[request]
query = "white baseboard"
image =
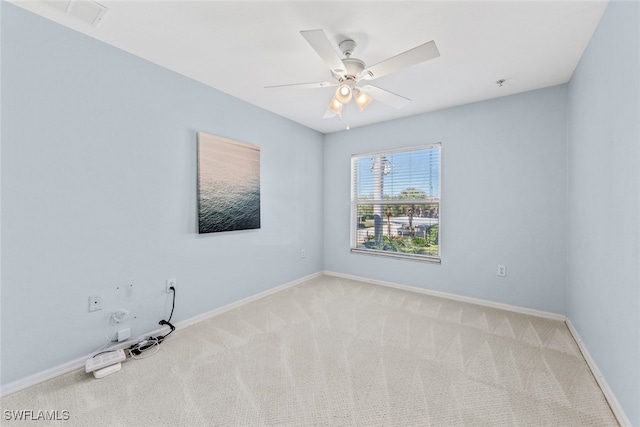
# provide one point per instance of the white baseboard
(79, 363)
(65, 368)
(606, 390)
(43, 376)
(486, 303)
(204, 316)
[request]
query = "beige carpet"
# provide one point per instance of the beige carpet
(336, 352)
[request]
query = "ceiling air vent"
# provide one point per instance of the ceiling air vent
(86, 11)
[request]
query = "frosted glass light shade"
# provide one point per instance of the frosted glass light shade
(343, 93)
(335, 106)
(362, 99)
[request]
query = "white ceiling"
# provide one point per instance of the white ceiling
(240, 47)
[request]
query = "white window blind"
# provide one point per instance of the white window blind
(396, 202)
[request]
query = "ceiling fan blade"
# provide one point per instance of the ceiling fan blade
(329, 114)
(385, 96)
(414, 56)
(323, 47)
(313, 85)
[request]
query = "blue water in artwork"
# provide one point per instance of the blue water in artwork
(228, 185)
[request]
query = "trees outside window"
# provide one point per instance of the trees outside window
(396, 203)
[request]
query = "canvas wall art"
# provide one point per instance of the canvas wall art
(228, 184)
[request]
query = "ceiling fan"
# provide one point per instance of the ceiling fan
(350, 72)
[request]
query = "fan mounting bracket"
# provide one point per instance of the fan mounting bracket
(347, 46)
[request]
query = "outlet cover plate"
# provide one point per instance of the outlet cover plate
(502, 270)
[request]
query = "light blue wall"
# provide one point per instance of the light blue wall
(503, 199)
(99, 191)
(603, 293)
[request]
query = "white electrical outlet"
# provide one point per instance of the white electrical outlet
(171, 283)
(303, 254)
(502, 270)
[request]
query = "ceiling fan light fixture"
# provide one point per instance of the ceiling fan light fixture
(348, 71)
(361, 99)
(344, 93)
(335, 106)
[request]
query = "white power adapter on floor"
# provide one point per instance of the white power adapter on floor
(105, 364)
(101, 373)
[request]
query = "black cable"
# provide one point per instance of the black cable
(168, 322)
(138, 348)
(103, 352)
(174, 303)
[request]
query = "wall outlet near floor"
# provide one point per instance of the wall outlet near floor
(303, 254)
(502, 270)
(171, 283)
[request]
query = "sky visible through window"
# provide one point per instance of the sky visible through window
(413, 169)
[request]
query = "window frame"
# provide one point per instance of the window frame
(354, 217)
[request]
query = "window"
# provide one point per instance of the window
(396, 203)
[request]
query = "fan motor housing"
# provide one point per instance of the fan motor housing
(354, 69)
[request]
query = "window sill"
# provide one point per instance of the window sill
(419, 258)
